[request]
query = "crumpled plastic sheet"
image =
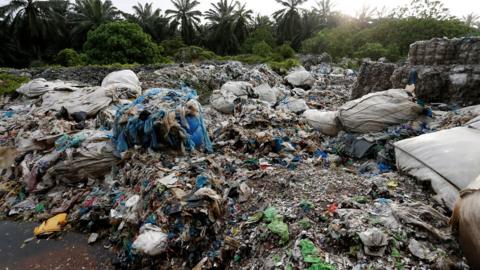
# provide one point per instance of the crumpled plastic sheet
(159, 118)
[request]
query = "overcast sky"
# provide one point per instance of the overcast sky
(267, 7)
(459, 8)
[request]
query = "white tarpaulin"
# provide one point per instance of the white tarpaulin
(90, 100)
(449, 159)
(38, 87)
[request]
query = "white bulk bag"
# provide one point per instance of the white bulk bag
(376, 111)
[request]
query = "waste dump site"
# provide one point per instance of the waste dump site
(323, 168)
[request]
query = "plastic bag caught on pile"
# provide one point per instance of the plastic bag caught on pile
(162, 118)
(377, 111)
(151, 241)
(124, 83)
(449, 159)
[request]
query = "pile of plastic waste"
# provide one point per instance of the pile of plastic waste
(273, 173)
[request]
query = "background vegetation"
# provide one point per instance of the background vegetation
(36, 33)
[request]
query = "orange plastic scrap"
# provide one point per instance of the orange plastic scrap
(53, 224)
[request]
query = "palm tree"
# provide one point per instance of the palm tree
(312, 22)
(146, 11)
(262, 21)
(222, 17)
(364, 16)
(325, 10)
(33, 23)
(9, 49)
(88, 15)
(471, 19)
(382, 13)
(188, 18)
(288, 20)
(243, 19)
(151, 21)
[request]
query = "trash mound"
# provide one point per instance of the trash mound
(209, 75)
(268, 191)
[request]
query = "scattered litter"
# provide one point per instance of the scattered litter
(151, 241)
(374, 242)
(93, 238)
(247, 181)
(52, 225)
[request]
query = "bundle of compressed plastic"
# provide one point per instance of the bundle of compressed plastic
(162, 118)
(442, 51)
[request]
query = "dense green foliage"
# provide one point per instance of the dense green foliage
(9, 83)
(33, 32)
(262, 49)
(371, 50)
(193, 53)
(68, 58)
(87, 15)
(121, 42)
(280, 59)
(263, 33)
(388, 37)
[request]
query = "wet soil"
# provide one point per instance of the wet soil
(67, 251)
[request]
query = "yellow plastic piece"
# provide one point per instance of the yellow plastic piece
(53, 224)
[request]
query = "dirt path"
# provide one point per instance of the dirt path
(69, 251)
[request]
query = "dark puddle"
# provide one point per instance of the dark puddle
(68, 251)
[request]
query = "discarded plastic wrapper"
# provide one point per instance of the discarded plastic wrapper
(128, 211)
(7, 156)
(374, 242)
(162, 118)
(151, 241)
(53, 224)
